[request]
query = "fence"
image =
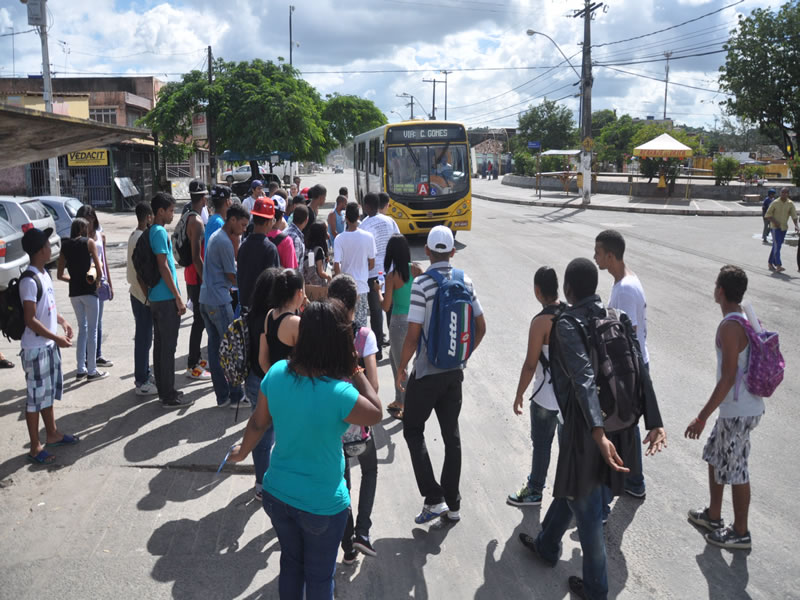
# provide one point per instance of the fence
(90, 185)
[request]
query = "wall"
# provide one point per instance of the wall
(71, 106)
(12, 181)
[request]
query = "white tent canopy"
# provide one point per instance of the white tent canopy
(561, 152)
(664, 146)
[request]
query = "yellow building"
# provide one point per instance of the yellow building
(70, 104)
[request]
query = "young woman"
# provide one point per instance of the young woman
(81, 260)
(105, 290)
(281, 325)
(310, 407)
(316, 242)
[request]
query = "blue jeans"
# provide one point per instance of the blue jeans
(100, 329)
(587, 511)
(142, 341)
(543, 428)
(86, 312)
(309, 545)
(778, 236)
(262, 450)
(217, 319)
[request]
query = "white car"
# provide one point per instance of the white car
(13, 259)
(241, 173)
(24, 213)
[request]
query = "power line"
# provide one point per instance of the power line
(638, 62)
(519, 112)
(525, 101)
(693, 87)
(18, 32)
(150, 52)
(427, 70)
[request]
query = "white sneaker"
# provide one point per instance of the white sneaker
(453, 515)
(198, 373)
(146, 389)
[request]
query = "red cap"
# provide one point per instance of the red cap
(264, 207)
(304, 193)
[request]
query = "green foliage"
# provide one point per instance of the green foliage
(602, 119)
(615, 140)
(750, 172)
(725, 168)
(524, 163)
(794, 165)
(649, 167)
(761, 72)
(554, 163)
(347, 116)
(549, 123)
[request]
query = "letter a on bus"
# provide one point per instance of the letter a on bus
(422, 189)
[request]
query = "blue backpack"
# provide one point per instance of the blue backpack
(450, 338)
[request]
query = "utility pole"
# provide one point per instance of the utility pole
(410, 103)
(212, 146)
(13, 54)
(666, 83)
(433, 108)
(291, 43)
(446, 73)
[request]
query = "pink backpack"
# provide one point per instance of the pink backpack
(765, 366)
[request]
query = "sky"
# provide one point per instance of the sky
(378, 49)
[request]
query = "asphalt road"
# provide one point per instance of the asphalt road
(136, 511)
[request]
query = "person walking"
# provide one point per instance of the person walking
(196, 367)
(778, 214)
(314, 266)
(282, 324)
(317, 196)
(355, 254)
(256, 253)
(336, 222)
(310, 406)
(768, 199)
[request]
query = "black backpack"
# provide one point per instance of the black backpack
(181, 244)
(144, 262)
(12, 317)
(555, 310)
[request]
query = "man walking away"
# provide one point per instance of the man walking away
(142, 317)
(768, 199)
(317, 196)
(299, 223)
(354, 254)
(432, 389)
(257, 253)
(778, 214)
(728, 447)
(193, 277)
(221, 199)
(336, 222)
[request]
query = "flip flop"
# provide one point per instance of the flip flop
(67, 440)
(6, 364)
(395, 410)
(43, 458)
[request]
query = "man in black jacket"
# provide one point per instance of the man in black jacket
(588, 459)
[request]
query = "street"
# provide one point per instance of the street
(136, 510)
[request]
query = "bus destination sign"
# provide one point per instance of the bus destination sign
(415, 134)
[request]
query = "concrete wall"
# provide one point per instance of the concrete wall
(12, 181)
(71, 106)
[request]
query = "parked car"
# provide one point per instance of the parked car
(63, 210)
(240, 173)
(24, 213)
(13, 259)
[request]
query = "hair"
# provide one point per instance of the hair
(317, 236)
(88, 212)
(612, 241)
(285, 286)
(300, 214)
(325, 345)
(344, 289)
(296, 180)
(372, 202)
(343, 191)
(398, 255)
(143, 211)
(237, 211)
(260, 297)
(352, 212)
(281, 193)
(341, 199)
(384, 198)
(439, 256)
(161, 200)
(317, 190)
(259, 220)
(298, 199)
(581, 277)
(733, 282)
(79, 228)
(547, 282)
(219, 200)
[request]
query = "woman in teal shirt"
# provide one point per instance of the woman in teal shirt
(310, 405)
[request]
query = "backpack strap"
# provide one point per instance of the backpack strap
(747, 329)
(278, 239)
(27, 273)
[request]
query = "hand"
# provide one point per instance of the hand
(694, 429)
(657, 438)
(63, 341)
(67, 330)
(110, 292)
(181, 306)
(236, 454)
(610, 455)
(518, 401)
(402, 377)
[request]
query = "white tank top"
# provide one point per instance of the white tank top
(546, 396)
(747, 405)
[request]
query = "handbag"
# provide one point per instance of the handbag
(104, 289)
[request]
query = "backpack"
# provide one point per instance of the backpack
(12, 317)
(234, 351)
(614, 353)
(144, 262)
(547, 310)
(181, 244)
(765, 365)
(356, 437)
(450, 338)
(278, 239)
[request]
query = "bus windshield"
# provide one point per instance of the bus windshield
(443, 168)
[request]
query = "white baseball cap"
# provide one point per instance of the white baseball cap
(440, 239)
(280, 203)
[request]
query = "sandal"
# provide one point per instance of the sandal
(6, 364)
(43, 458)
(396, 410)
(67, 440)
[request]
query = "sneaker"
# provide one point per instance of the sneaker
(452, 515)
(243, 403)
(259, 493)
(80, 376)
(177, 402)
(726, 537)
(104, 362)
(146, 389)
(97, 375)
(525, 497)
(530, 544)
(203, 364)
(349, 557)
(639, 495)
(224, 404)
(576, 587)
(363, 545)
(430, 512)
(700, 517)
(198, 373)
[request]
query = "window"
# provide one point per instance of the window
(132, 116)
(72, 206)
(52, 212)
(3, 213)
(362, 151)
(35, 210)
(442, 167)
(103, 115)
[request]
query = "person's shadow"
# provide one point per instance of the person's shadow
(724, 580)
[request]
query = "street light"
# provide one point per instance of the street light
(531, 33)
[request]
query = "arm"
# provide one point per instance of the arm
(107, 271)
(321, 270)
(62, 263)
(95, 257)
(371, 263)
(166, 275)
(337, 268)
(332, 224)
(480, 331)
(769, 216)
(391, 281)
(258, 423)
(409, 347)
(35, 325)
(196, 231)
(371, 370)
(367, 409)
(263, 349)
(536, 336)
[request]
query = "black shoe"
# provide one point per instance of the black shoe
(576, 587)
(363, 545)
(177, 401)
(104, 362)
(530, 544)
(80, 376)
(349, 557)
(97, 375)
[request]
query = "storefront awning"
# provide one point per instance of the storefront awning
(30, 135)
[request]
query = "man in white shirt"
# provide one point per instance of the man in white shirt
(256, 192)
(382, 228)
(354, 254)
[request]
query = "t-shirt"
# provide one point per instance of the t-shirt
(255, 254)
(782, 211)
(248, 203)
(382, 228)
(78, 259)
(46, 311)
(219, 260)
(306, 469)
(161, 244)
(352, 251)
(423, 291)
(628, 295)
(293, 231)
(286, 251)
(215, 222)
(134, 288)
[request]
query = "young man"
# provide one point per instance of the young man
(281, 223)
(778, 214)
(432, 389)
(336, 222)
(221, 200)
(274, 186)
(40, 345)
(282, 241)
(193, 277)
(295, 230)
(343, 191)
(197, 186)
(768, 199)
(166, 304)
(317, 196)
(142, 317)
(587, 457)
(219, 276)
(354, 254)
(728, 446)
(627, 294)
(292, 203)
(256, 192)
(256, 253)
(296, 181)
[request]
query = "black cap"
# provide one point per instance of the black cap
(197, 187)
(220, 191)
(36, 239)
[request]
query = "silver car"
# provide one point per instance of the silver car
(63, 209)
(24, 213)
(13, 259)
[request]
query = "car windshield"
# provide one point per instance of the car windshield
(72, 206)
(35, 210)
(433, 170)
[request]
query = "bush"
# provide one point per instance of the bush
(524, 163)
(794, 165)
(554, 163)
(751, 172)
(725, 168)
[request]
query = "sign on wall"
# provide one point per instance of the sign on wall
(96, 157)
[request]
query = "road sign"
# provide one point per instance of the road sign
(588, 143)
(534, 145)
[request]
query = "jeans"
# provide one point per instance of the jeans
(375, 314)
(99, 352)
(397, 336)
(142, 341)
(217, 319)
(441, 393)
(767, 229)
(262, 450)
(309, 545)
(777, 241)
(588, 516)
(368, 461)
(86, 309)
(166, 323)
(196, 333)
(543, 428)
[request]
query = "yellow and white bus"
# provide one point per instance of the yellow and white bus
(424, 167)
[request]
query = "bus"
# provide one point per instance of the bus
(424, 167)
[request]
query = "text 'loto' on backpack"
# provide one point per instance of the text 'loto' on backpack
(144, 262)
(12, 318)
(765, 365)
(181, 244)
(450, 338)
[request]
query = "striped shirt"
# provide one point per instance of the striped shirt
(423, 291)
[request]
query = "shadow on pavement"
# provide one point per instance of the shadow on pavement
(622, 515)
(724, 580)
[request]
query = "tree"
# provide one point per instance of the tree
(347, 116)
(549, 123)
(762, 72)
(601, 119)
(616, 140)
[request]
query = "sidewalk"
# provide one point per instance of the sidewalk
(495, 191)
